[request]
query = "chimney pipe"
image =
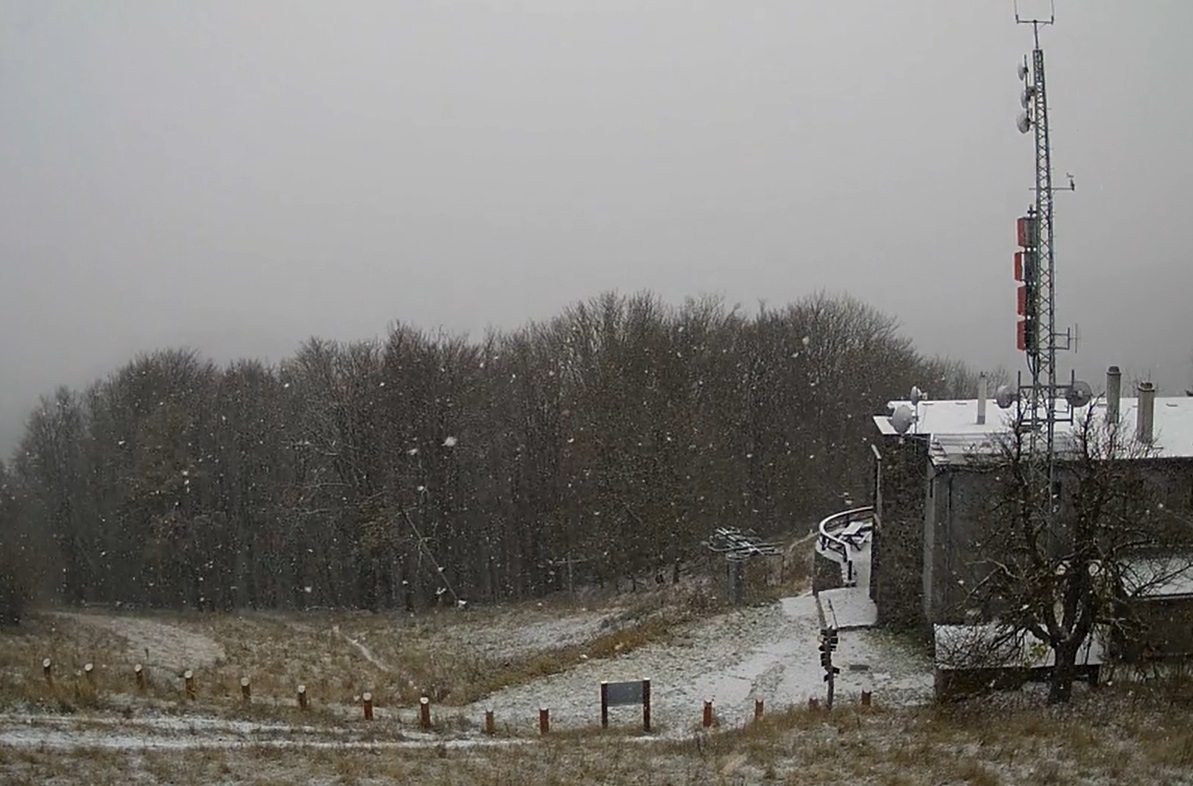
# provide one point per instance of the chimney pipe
(1146, 409)
(982, 392)
(1114, 390)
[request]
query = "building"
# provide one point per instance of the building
(930, 494)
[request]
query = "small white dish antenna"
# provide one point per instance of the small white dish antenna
(1023, 123)
(1079, 394)
(1004, 397)
(1022, 71)
(917, 395)
(903, 419)
(1026, 96)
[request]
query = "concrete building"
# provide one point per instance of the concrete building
(930, 497)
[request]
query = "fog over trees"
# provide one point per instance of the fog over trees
(601, 445)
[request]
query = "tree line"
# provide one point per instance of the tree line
(602, 445)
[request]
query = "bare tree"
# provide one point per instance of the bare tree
(1071, 564)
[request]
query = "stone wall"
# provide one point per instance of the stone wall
(896, 579)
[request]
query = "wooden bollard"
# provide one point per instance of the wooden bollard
(646, 706)
(865, 698)
(757, 709)
(139, 676)
(47, 669)
(490, 724)
(246, 690)
(424, 713)
(707, 714)
(302, 697)
(188, 678)
(367, 704)
(544, 720)
(813, 705)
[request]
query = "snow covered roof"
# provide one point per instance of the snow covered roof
(988, 645)
(1160, 577)
(954, 434)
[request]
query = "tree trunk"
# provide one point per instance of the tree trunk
(1060, 688)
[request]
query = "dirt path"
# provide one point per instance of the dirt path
(364, 651)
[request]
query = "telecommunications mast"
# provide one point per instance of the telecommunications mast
(1035, 267)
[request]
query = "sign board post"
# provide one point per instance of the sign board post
(623, 693)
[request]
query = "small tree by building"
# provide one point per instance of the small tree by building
(1070, 563)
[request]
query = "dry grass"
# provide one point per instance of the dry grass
(337, 656)
(1111, 739)
(1128, 734)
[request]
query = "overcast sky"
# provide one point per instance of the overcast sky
(237, 176)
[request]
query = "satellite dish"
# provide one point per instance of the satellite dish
(903, 418)
(1026, 96)
(1079, 394)
(917, 395)
(1023, 123)
(1022, 71)
(1004, 397)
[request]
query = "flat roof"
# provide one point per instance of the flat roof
(954, 433)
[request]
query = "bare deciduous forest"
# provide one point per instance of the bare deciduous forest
(601, 446)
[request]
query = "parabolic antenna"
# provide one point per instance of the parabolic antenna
(903, 418)
(1023, 123)
(1079, 394)
(1004, 396)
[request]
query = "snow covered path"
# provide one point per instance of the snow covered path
(851, 607)
(767, 653)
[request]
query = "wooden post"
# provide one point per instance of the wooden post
(865, 698)
(604, 704)
(424, 713)
(139, 675)
(757, 709)
(246, 690)
(302, 697)
(707, 713)
(367, 703)
(89, 673)
(646, 706)
(188, 677)
(47, 669)
(490, 724)
(544, 720)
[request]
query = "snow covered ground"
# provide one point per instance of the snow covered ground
(766, 652)
(733, 658)
(769, 653)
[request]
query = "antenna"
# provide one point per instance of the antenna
(1037, 21)
(1043, 402)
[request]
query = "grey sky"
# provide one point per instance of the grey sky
(237, 176)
